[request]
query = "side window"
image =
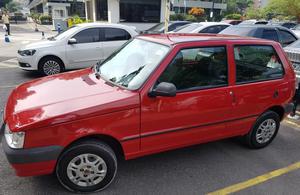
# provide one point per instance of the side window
(88, 36)
(286, 37)
(270, 34)
(197, 68)
(116, 34)
(256, 63)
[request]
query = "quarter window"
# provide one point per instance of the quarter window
(256, 63)
(286, 37)
(115, 34)
(197, 68)
(88, 36)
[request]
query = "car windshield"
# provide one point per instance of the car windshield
(131, 66)
(157, 27)
(237, 30)
(187, 28)
(65, 33)
(296, 44)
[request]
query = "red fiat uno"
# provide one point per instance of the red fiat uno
(156, 93)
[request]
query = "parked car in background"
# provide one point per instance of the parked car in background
(293, 52)
(296, 30)
(288, 25)
(160, 27)
(276, 33)
(232, 22)
(79, 47)
(157, 93)
(247, 22)
(202, 27)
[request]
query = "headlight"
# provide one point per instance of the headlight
(29, 52)
(14, 139)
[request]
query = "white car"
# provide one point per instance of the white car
(296, 30)
(202, 27)
(81, 46)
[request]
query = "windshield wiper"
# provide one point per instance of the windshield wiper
(97, 70)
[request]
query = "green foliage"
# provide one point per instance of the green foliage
(238, 6)
(175, 17)
(35, 16)
(13, 6)
(76, 20)
(234, 16)
(253, 13)
(187, 17)
(284, 8)
(45, 19)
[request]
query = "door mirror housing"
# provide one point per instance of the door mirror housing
(72, 41)
(163, 89)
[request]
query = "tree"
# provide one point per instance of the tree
(13, 6)
(238, 6)
(196, 11)
(285, 8)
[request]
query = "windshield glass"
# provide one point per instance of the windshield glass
(65, 33)
(131, 66)
(187, 28)
(157, 27)
(296, 44)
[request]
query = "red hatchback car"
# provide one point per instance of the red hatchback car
(156, 93)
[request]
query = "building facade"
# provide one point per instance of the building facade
(142, 13)
(58, 9)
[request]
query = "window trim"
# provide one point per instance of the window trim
(257, 80)
(200, 88)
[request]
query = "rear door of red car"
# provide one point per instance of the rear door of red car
(202, 105)
(258, 83)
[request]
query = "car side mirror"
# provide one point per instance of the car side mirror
(72, 41)
(163, 89)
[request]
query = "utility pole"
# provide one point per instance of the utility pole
(212, 11)
(167, 16)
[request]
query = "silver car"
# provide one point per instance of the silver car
(293, 52)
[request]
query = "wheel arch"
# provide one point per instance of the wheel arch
(51, 56)
(277, 109)
(107, 139)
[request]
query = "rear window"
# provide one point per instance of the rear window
(238, 30)
(257, 63)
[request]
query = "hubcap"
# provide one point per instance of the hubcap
(51, 67)
(87, 170)
(265, 131)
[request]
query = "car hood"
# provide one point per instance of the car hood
(41, 44)
(64, 97)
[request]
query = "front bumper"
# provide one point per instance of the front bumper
(33, 161)
(27, 62)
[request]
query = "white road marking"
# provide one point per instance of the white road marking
(11, 63)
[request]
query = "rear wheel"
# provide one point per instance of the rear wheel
(87, 167)
(264, 130)
(51, 66)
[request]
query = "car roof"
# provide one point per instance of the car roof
(101, 24)
(259, 26)
(176, 38)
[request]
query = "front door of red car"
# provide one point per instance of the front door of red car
(201, 106)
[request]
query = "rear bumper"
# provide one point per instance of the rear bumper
(33, 161)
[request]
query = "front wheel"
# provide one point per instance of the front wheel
(50, 66)
(264, 130)
(87, 167)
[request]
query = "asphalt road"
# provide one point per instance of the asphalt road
(194, 170)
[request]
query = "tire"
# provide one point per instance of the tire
(51, 65)
(258, 138)
(83, 175)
